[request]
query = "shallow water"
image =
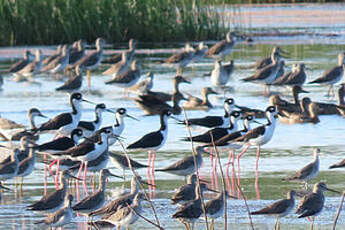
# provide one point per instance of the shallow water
(289, 150)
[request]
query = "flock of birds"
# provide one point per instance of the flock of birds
(82, 146)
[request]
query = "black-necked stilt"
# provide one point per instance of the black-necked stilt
(222, 48)
(308, 172)
(123, 217)
(27, 58)
(312, 204)
(154, 140)
(96, 200)
(195, 103)
(62, 216)
(90, 127)
(217, 133)
(53, 201)
(333, 75)
(214, 121)
(64, 123)
(74, 83)
(279, 208)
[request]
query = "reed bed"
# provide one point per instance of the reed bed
(61, 21)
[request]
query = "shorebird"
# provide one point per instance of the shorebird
(128, 78)
(191, 211)
(118, 68)
(122, 201)
(276, 51)
(214, 121)
(13, 131)
(220, 75)
(53, 201)
(26, 166)
(312, 204)
(144, 86)
(123, 217)
(180, 60)
(118, 127)
(178, 79)
(30, 69)
(215, 207)
(333, 75)
(121, 162)
(296, 77)
(27, 58)
(222, 48)
(280, 80)
(266, 75)
(61, 217)
(217, 133)
(329, 108)
(9, 169)
(130, 53)
(200, 52)
(195, 103)
(92, 60)
(24, 150)
(186, 166)
(279, 208)
(74, 83)
(308, 172)
(90, 127)
(309, 113)
(153, 141)
(50, 58)
(64, 123)
(96, 200)
(77, 53)
(59, 63)
(152, 105)
(284, 105)
(340, 164)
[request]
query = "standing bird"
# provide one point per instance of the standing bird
(117, 57)
(30, 69)
(333, 75)
(215, 207)
(121, 162)
(279, 208)
(119, 67)
(123, 217)
(308, 172)
(296, 78)
(64, 123)
(96, 200)
(27, 58)
(144, 86)
(92, 60)
(26, 166)
(222, 48)
(74, 83)
(180, 60)
(62, 216)
(200, 52)
(276, 51)
(312, 204)
(77, 53)
(220, 75)
(9, 169)
(50, 58)
(195, 103)
(60, 63)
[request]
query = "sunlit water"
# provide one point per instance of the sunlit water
(289, 150)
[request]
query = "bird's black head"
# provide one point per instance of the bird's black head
(100, 106)
(106, 130)
(235, 114)
(249, 117)
(271, 109)
(76, 96)
(166, 112)
(121, 111)
(229, 101)
(77, 132)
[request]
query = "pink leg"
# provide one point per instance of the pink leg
(215, 171)
(50, 170)
(84, 180)
(233, 171)
(153, 174)
(227, 174)
(45, 175)
(149, 172)
(77, 182)
(57, 174)
(257, 189)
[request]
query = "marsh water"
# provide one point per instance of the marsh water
(290, 148)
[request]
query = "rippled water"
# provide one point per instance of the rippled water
(289, 150)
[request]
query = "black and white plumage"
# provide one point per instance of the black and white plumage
(90, 127)
(214, 121)
(333, 75)
(64, 123)
(217, 133)
(154, 140)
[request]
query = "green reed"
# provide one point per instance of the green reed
(60, 21)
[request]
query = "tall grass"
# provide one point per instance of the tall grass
(61, 21)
